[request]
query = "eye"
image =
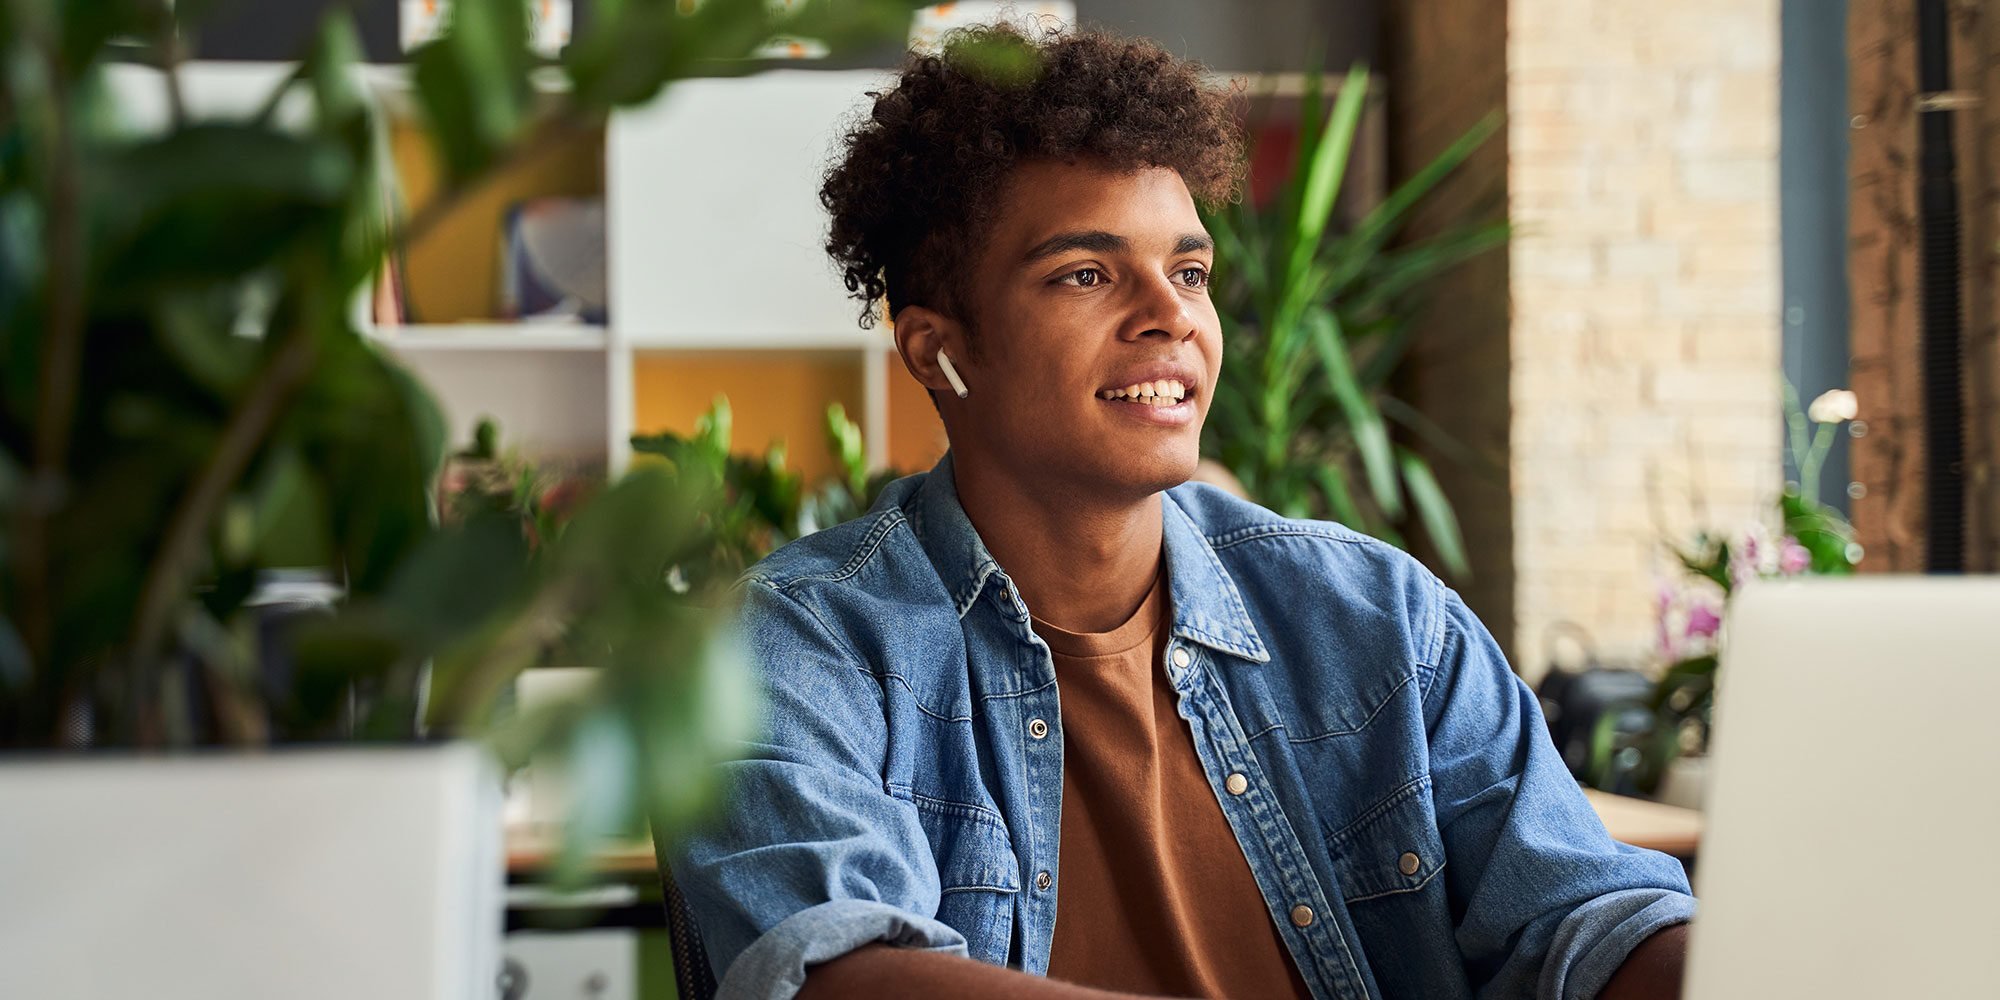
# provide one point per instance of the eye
(1083, 277)
(1193, 277)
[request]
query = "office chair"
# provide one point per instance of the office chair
(693, 979)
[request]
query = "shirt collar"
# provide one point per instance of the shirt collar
(1207, 607)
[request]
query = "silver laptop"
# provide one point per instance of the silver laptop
(1853, 829)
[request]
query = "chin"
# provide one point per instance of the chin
(1150, 474)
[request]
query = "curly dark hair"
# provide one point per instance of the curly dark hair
(915, 191)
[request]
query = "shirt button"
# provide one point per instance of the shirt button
(1302, 915)
(1181, 658)
(1237, 784)
(1044, 880)
(1409, 863)
(1038, 729)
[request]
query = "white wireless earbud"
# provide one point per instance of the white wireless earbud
(951, 375)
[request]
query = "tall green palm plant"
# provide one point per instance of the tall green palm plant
(1318, 322)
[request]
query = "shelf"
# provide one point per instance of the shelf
(495, 338)
(843, 342)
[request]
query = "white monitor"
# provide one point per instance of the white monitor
(321, 874)
(1853, 828)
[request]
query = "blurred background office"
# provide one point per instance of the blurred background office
(400, 373)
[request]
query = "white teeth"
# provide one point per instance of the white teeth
(1164, 392)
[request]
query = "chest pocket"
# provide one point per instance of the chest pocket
(979, 875)
(1390, 865)
(1394, 849)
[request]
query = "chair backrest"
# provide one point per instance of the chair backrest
(693, 979)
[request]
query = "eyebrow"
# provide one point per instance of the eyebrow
(1099, 241)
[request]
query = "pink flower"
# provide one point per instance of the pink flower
(1794, 558)
(1703, 622)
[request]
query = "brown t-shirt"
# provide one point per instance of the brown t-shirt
(1156, 896)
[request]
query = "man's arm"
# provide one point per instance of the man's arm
(1547, 903)
(869, 972)
(809, 857)
(1654, 969)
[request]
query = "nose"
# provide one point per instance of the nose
(1159, 311)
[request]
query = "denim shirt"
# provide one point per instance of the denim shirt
(1406, 818)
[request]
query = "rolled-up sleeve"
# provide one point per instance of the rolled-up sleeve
(1546, 903)
(810, 857)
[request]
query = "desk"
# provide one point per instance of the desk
(1644, 823)
(533, 852)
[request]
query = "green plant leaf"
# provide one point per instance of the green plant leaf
(211, 202)
(1371, 435)
(1711, 563)
(473, 86)
(1603, 749)
(336, 50)
(1395, 273)
(1405, 415)
(1826, 535)
(1339, 500)
(1434, 510)
(87, 27)
(1357, 248)
(603, 770)
(1329, 163)
(849, 447)
(1231, 246)
(1005, 61)
(457, 580)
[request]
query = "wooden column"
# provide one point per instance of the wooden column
(1883, 242)
(1888, 460)
(1976, 74)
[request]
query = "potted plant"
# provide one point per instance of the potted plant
(187, 407)
(1318, 321)
(1665, 757)
(764, 504)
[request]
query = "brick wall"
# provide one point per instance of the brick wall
(1644, 145)
(1642, 353)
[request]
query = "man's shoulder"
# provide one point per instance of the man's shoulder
(1240, 530)
(873, 563)
(864, 594)
(1323, 584)
(828, 556)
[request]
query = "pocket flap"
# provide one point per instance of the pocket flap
(973, 851)
(1394, 847)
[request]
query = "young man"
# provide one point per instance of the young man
(1049, 722)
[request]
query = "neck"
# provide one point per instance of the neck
(1080, 565)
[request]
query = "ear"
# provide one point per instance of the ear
(920, 334)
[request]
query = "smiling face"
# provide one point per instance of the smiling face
(1094, 345)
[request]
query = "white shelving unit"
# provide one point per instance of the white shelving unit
(715, 229)
(504, 337)
(714, 246)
